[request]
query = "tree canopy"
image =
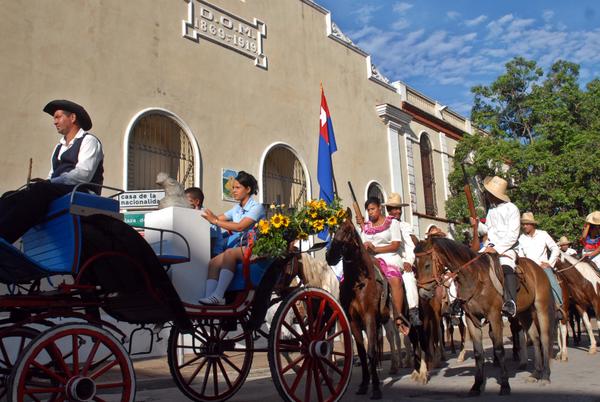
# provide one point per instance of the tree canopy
(542, 133)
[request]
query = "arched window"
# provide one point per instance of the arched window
(157, 143)
(428, 176)
(283, 178)
(375, 190)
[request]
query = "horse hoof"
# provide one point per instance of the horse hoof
(531, 379)
(543, 383)
(474, 392)
(504, 390)
(362, 390)
(376, 394)
(592, 350)
(423, 380)
(414, 375)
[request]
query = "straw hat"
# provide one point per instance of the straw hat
(527, 217)
(394, 200)
(563, 240)
(593, 218)
(497, 187)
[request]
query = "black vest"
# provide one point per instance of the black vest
(68, 160)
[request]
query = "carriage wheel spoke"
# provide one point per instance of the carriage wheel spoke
(193, 360)
(91, 356)
(299, 320)
(5, 358)
(206, 375)
(59, 358)
(292, 364)
(215, 378)
(332, 320)
(197, 370)
(110, 385)
(75, 354)
(333, 366)
(292, 330)
(299, 376)
(317, 382)
(30, 391)
(224, 372)
(320, 314)
(309, 315)
(325, 376)
(233, 366)
(49, 372)
(308, 384)
(332, 337)
(104, 369)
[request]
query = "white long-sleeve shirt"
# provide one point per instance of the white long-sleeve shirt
(503, 223)
(537, 246)
(90, 155)
(407, 247)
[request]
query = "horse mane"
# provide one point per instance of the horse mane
(446, 246)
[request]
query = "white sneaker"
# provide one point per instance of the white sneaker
(212, 300)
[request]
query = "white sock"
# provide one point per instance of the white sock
(211, 285)
(225, 278)
(410, 286)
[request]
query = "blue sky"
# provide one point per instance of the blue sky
(443, 48)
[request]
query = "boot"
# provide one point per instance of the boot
(413, 316)
(509, 308)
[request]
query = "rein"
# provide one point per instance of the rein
(570, 266)
(441, 278)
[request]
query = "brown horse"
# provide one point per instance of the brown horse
(583, 283)
(365, 300)
(482, 302)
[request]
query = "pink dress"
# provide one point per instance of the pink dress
(384, 235)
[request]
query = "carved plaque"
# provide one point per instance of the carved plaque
(216, 25)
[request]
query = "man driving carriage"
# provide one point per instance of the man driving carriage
(76, 159)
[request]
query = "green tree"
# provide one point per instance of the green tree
(546, 129)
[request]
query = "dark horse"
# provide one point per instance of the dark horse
(483, 301)
(364, 299)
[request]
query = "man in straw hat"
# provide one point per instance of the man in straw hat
(503, 226)
(78, 158)
(393, 207)
(564, 245)
(536, 244)
(590, 238)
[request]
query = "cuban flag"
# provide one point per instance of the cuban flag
(327, 147)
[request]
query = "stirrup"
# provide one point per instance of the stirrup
(402, 324)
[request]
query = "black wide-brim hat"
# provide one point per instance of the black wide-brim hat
(83, 118)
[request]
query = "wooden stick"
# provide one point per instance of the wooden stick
(29, 172)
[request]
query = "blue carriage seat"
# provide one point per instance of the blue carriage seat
(55, 243)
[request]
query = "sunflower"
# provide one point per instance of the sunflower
(285, 221)
(340, 214)
(321, 204)
(302, 235)
(318, 225)
(263, 226)
(312, 213)
(277, 221)
(332, 221)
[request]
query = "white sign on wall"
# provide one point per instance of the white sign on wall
(143, 199)
(223, 28)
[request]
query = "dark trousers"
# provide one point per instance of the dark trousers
(510, 283)
(20, 210)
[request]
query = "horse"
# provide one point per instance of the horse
(363, 297)
(583, 283)
(440, 257)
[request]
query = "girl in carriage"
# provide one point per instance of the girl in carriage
(240, 219)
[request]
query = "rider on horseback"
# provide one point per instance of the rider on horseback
(503, 226)
(590, 239)
(535, 245)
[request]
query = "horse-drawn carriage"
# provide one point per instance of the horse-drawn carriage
(57, 344)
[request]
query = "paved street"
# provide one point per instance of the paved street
(576, 380)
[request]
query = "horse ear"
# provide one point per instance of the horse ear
(348, 213)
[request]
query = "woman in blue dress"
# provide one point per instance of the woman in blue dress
(239, 219)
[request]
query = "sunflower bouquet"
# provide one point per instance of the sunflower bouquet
(274, 235)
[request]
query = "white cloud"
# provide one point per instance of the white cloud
(401, 7)
(401, 24)
(476, 21)
(547, 15)
(365, 13)
(453, 14)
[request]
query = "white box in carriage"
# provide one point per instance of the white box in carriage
(188, 278)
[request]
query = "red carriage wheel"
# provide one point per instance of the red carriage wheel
(77, 361)
(310, 347)
(12, 344)
(212, 363)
